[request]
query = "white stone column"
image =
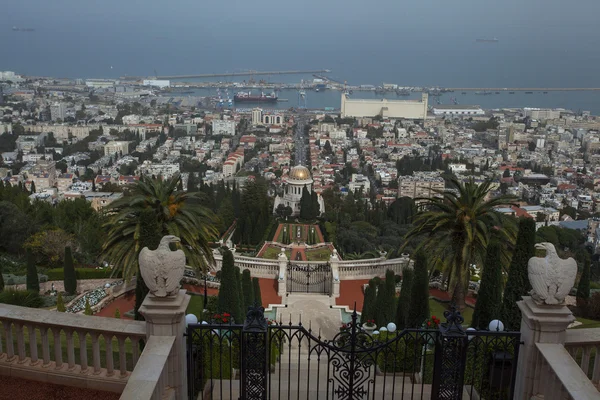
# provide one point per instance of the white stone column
(334, 262)
(165, 316)
(540, 323)
(282, 277)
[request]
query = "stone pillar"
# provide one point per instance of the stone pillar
(165, 316)
(334, 262)
(540, 323)
(282, 276)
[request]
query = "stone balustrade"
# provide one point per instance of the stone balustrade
(367, 269)
(584, 346)
(562, 378)
(150, 379)
(76, 350)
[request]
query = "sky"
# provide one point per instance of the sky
(429, 42)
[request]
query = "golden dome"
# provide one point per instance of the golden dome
(299, 173)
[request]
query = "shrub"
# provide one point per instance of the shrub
(70, 279)
(21, 298)
(88, 309)
(60, 303)
(593, 306)
(117, 313)
(10, 282)
(33, 281)
(57, 274)
(490, 292)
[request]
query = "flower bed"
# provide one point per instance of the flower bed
(94, 297)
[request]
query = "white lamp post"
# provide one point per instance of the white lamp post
(190, 319)
(496, 325)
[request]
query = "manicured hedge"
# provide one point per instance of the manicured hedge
(57, 274)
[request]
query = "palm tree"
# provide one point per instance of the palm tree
(178, 213)
(457, 226)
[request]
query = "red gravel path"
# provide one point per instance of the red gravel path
(351, 292)
(124, 303)
(277, 232)
(20, 389)
(268, 291)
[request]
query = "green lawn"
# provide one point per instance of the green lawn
(196, 306)
(321, 254)
(272, 253)
(587, 323)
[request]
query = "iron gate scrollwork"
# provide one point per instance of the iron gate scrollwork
(309, 277)
(274, 360)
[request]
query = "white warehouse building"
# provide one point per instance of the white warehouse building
(223, 127)
(360, 108)
(457, 110)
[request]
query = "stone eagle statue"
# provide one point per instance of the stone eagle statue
(162, 269)
(551, 277)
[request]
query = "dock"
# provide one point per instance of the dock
(523, 89)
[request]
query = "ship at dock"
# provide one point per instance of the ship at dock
(493, 40)
(248, 97)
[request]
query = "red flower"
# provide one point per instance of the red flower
(225, 320)
(226, 315)
(433, 317)
(428, 323)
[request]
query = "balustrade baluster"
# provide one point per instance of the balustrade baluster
(596, 371)
(57, 348)
(109, 354)
(122, 356)
(135, 350)
(70, 348)
(45, 346)
(95, 352)
(20, 341)
(33, 351)
(10, 346)
(585, 359)
(81, 335)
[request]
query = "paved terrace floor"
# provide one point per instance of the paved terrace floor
(22, 389)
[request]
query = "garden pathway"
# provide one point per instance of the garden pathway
(314, 311)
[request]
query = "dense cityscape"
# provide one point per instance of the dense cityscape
(377, 217)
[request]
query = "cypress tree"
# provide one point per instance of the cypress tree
(405, 298)
(117, 314)
(314, 205)
(517, 284)
(389, 309)
(33, 282)
(305, 204)
(489, 297)
(368, 310)
(247, 290)
(229, 299)
(583, 288)
(256, 291)
(70, 279)
(418, 311)
(88, 309)
(60, 303)
(381, 303)
(150, 235)
(1, 280)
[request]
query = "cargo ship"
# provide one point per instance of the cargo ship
(494, 40)
(248, 97)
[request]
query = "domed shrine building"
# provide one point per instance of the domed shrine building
(298, 177)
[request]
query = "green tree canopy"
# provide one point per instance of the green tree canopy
(70, 279)
(489, 296)
(517, 283)
(178, 213)
(458, 226)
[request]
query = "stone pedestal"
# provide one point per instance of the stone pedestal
(165, 316)
(539, 324)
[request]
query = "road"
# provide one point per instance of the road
(300, 143)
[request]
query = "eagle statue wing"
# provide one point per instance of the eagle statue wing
(536, 268)
(148, 268)
(569, 267)
(173, 278)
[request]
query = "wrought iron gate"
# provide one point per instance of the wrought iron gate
(307, 277)
(270, 360)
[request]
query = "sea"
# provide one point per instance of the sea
(541, 44)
